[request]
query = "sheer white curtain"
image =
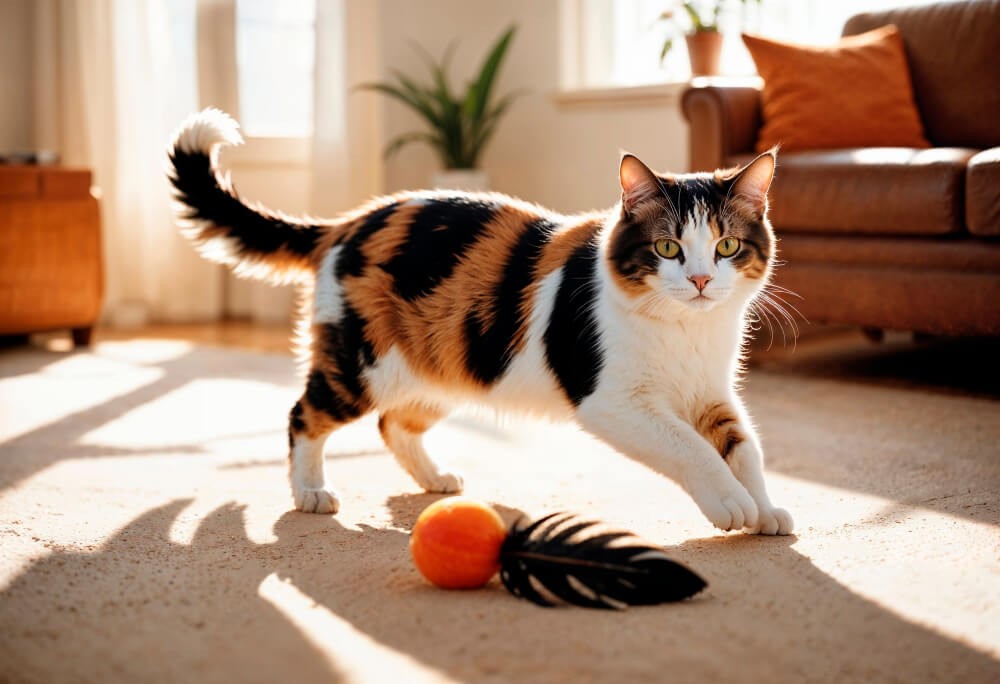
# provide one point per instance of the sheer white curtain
(110, 89)
(115, 77)
(344, 150)
(347, 165)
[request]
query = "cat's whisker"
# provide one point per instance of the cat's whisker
(754, 319)
(789, 305)
(771, 287)
(670, 211)
(781, 326)
(783, 303)
(762, 316)
(779, 315)
(653, 303)
(777, 308)
(769, 317)
(780, 293)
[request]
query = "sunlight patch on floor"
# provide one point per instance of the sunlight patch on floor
(31, 402)
(197, 412)
(153, 351)
(928, 567)
(871, 545)
(358, 656)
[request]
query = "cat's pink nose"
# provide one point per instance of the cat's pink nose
(700, 281)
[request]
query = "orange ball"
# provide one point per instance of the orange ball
(456, 543)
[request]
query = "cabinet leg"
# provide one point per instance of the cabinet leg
(81, 336)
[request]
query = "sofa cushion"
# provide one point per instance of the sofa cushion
(926, 284)
(856, 93)
(952, 53)
(982, 193)
(918, 253)
(873, 190)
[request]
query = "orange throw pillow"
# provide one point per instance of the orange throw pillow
(856, 93)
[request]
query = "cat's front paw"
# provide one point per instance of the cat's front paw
(730, 509)
(316, 501)
(772, 521)
(444, 483)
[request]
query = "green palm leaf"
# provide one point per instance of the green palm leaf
(479, 93)
(413, 101)
(406, 138)
(460, 128)
(692, 12)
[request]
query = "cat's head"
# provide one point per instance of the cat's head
(696, 239)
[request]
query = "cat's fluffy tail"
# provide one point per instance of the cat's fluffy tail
(254, 241)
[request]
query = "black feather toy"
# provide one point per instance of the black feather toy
(565, 558)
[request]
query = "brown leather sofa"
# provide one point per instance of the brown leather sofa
(889, 238)
(50, 251)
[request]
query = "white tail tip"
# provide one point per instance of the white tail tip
(203, 131)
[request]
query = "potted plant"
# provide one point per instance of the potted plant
(461, 124)
(698, 22)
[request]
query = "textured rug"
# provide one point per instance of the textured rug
(146, 535)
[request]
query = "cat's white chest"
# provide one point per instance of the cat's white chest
(680, 363)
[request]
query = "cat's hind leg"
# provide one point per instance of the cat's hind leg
(321, 410)
(403, 430)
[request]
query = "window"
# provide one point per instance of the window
(275, 52)
(617, 42)
(181, 21)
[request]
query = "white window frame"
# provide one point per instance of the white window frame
(585, 40)
(218, 84)
(581, 45)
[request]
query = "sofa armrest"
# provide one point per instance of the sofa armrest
(723, 122)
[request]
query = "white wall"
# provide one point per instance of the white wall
(564, 156)
(561, 155)
(16, 72)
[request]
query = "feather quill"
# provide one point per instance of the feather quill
(565, 558)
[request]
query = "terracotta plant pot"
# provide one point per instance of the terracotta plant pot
(704, 49)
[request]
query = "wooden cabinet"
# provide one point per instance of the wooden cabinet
(51, 271)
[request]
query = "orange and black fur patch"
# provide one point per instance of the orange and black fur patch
(628, 320)
(449, 280)
(720, 426)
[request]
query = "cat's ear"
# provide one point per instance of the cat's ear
(638, 182)
(751, 183)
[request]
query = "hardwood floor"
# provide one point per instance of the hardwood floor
(274, 338)
(267, 337)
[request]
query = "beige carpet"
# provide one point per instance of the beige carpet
(146, 534)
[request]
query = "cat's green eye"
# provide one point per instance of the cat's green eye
(727, 247)
(668, 249)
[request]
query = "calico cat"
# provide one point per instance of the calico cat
(629, 321)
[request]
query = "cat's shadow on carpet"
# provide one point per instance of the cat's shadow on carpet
(763, 594)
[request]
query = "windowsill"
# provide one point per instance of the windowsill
(653, 93)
